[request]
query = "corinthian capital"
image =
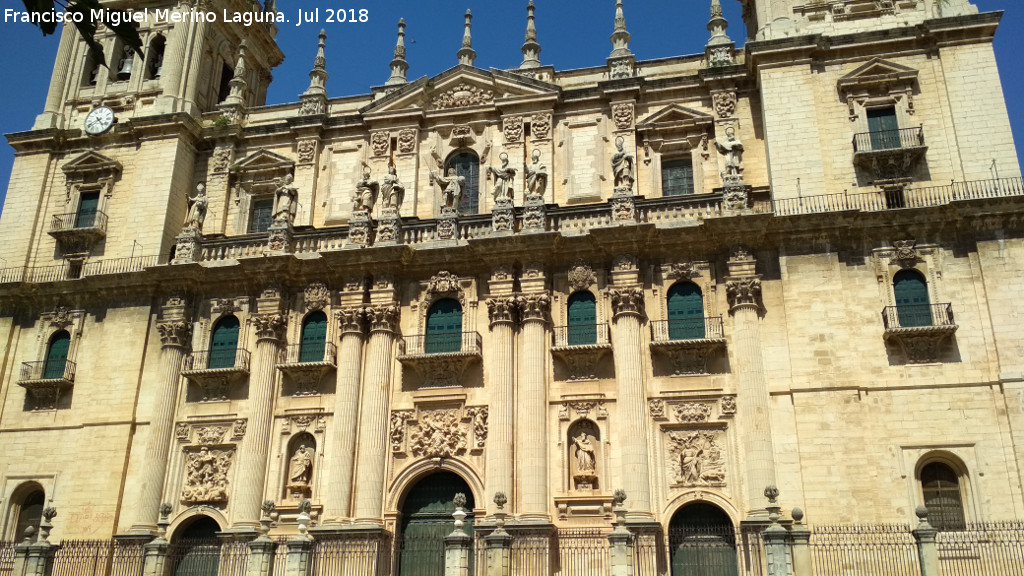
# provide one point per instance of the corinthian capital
(174, 333)
(535, 307)
(269, 326)
(351, 320)
(629, 300)
(502, 310)
(743, 292)
(383, 318)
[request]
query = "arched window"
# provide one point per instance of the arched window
(702, 541)
(27, 504)
(224, 343)
(582, 323)
(942, 496)
(911, 295)
(314, 337)
(155, 58)
(467, 165)
(444, 327)
(685, 312)
(56, 355)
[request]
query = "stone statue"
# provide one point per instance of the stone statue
(503, 178)
(623, 164)
(690, 465)
(286, 198)
(301, 467)
(392, 191)
(536, 177)
(365, 195)
(196, 210)
(584, 453)
(453, 186)
(732, 148)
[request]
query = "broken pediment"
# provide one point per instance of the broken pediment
(878, 72)
(675, 117)
(461, 87)
(91, 163)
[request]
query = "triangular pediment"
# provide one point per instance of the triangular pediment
(91, 162)
(462, 87)
(878, 70)
(262, 160)
(675, 116)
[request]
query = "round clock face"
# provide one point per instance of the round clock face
(99, 120)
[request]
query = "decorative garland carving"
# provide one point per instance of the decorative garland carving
(690, 412)
(656, 408)
(316, 296)
(406, 141)
(444, 283)
(696, 458)
(478, 415)
(540, 126)
(461, 96)
(622, 114)
(306, 150)
(728, 407)
(724, 104)
(905, 253)
(682, 271)
(380, 143)
(397, 433)
(210, 434)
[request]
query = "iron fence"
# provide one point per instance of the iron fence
(359, 556)
(648, 548)
(425, 552)
(881, 140)
(530, 554)
(687, 329)
(705, 550)
(280, 556)
(916, 315)
(582, 551)
(7, 556)
(47, 370)
(882, 550)
(79, 220)
(992, 549)
(208, 557)
(11, 275)
(98, 558)
(119, 265)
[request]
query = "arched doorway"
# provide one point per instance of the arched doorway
(427, 519)
(195, 548)
(702, 542)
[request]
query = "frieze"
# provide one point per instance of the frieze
(438, 434)
(582, 408)
(210, 434)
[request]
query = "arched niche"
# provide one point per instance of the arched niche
(583, 440)
(298, 480)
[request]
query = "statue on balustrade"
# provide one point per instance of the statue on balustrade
(392, 191)
(286, 198)
(503, 179)
(453, 185)
(365, 195)
(536, 177)
(623, 165)
(196, 210)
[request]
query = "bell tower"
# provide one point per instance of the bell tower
(189, 56)
(773, 19)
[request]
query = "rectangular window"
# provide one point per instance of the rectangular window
(677, 177)
(261, 215)
(884, 129)
(88, 204)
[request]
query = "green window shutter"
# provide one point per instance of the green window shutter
(314, 338)
(224, 343)
(88, 204)
(582, 319)
(685, 312)
(57, 355)
(444, 327)
(912, 304)
(677, 177)
(261, 215)
(884, 128)
(467, 165)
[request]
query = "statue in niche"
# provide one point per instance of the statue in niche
(583, 444)
(286, 198)
(503, 179)
(196, 210)
(732, 148)
(365, 196)
(623, 165)
(453, 185)
(536, 177)
(300, 472)
(392, 191)
(584, 453)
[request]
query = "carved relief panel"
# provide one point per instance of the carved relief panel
(206, 458)
(438, 432)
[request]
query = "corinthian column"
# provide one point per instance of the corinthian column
(175, 333)
(532, 424)
(373, 414)
(342, 451)
(502, 368)
(631, 399)
(743, 288)
(251, 475)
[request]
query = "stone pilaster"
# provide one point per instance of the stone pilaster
(743, 288)
(175, 339)
(195, 36)
(250, 477)
(532, 423)
(346, 415)
(631, 398)
(503, 313)
(382, 320)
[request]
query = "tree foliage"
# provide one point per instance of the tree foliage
(123, 28)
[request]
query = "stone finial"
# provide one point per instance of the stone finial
(238, 84)
(49, 513)
(922, 515)
(771, 493)
(30, 535)
(459, 514)
(798, 515)
(466, 54)
(531, 48)
(318, 75)
(500, 499)
(399, 66)
(305, 507)
(620, 37)
(717, 25)
(619, 497)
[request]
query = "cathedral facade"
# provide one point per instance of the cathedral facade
(689, 279)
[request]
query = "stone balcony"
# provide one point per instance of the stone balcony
(304, 365)
(77, 233)
(441, 359)
(889, 155)
(688, 343)
(581, 348)
(44, 381)
(921, 330)
(213, 373)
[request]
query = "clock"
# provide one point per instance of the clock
(99, 120)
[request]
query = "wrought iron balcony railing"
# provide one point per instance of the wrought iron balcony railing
(917, 316)
(236, 360)
(581, 335)
(94, 220)
(61, 370)
(467, 343)
(885, 140)
(687, 329)
(309, 353)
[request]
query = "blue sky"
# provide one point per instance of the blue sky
(572, 33)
